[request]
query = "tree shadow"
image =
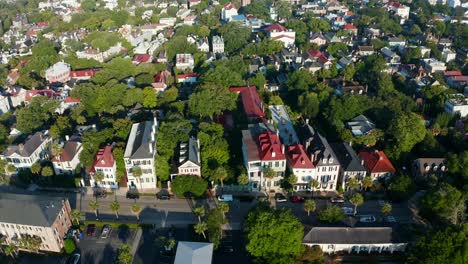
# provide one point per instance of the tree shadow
(123, 233)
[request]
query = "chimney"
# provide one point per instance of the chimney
(67, 137)
(307, 120)
(282, 148)
(21, 147)
(350, 143)
(312, 157)
(150, 148)
(362, 162)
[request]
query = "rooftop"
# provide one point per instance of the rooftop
(104, 159)
(250, 100)
(376, 161)
(348, 158)
(194, 253)
(286, 129)
(31, 210)
(141, 142)
(353, 235)
(29, 146)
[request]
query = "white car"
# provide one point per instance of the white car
(348, 211)
(225, 198)
(367, 219)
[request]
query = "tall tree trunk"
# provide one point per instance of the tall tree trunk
(95, 212)
(204, 236)
(116, 215)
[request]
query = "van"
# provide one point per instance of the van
(225, 198)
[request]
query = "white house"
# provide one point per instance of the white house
(34, 148)
(185, 61)
(352, 167)
(301, 166)
(217, 43)
(69, 160)
(139, 155)
(187, 78)
(189, 162)
(355, 239)
(228, 11)
(4, 104)
(104, 163)
(399, 10)
(448, 55)
(432, 65)
(203, 45)
(280, 33)
(457, 105)
(59, 72)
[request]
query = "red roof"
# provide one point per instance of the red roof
(376, 161)
(104, 159)
(84, 73)
(71, 100)
(229, 6)
(395, 4)
(140, 58)
(452, 73)
(187, 75)
(459, 78)
(283, 36)
(161, 77)
(269, 146)
(42, 24)
(318, 54)
(250, 100)
(47, 92)
(349, 27)
(298, 158)
(276, 27)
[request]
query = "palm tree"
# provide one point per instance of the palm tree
(137, 172)
(10, 168)
(35, 168)
(224, 208)
(356, 199)
(243, 179)
(199, 211)
(136, 210)
(220, 175)
(76, 215)
(367, 182)
(57, 151)
(314, 184)
(352, 184)
(11, 250)
(269, 173)
(99, 177)
(94, 205)
(386, 209)
(309, 206)
(47, 171)
(200, 228)
(115, 206)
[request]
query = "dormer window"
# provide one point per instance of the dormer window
(330, 161)
(273, 154)
(325, 160)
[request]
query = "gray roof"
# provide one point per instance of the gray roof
(139, 140)
(352, 235)
(194, 253)
(360, 125)
(190, 152)
(348, 158)
(286, 129)
(31, 210)
(318, 146)
(29, 146)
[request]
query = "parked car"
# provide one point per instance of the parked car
(73, 259)
(132, 192)
(106, 230)
(226, 249)
(296, 199)
(348, 211)
(225, 198)
(367, 219)
(91, 230)
(337, 199)
(280, 198)
(100, 193)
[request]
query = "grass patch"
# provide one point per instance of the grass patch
(113, 224)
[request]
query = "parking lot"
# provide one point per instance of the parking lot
(96, 250)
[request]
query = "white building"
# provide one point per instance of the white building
(457, 105)
(45, 218)
(105, 164)
(69, 160)
(399, 10)
(189, 158)
(228, 11)
(432, 65)
(203, 45)
(355, 239)
(185, 61)
(448, 55)
(217, 43)
(352, 167)
(4, 104)
(35, 148)
(301, 166)
(279, 33)
(454, 3)
(139, 155)
(59, 72)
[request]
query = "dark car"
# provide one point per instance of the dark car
(73, 259)
(106, 230)
(226, 249)
(296, 199)
(91, 230)
(100, 193)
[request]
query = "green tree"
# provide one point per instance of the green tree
(243, 179)
(386, 209)
(220, 99)
(94, 205)
(367, 182)
(150, 98)
(115, 207)
(235, 37)
(309, 104)
(356, 199)
(125, 254)
(224, 208)
(352, 184)
(98, 177)
(406, 131)
(185, 185)
(318, 25)
(200, 228)
(76, 216)
(332, 214)
(300, 80)
(47, 171)
(199, 211)
(220, 175)
(137, 172)
(69, 245)
(348, 72)
(444, 203)
(35, 115)
(400, 187)
(136, 210)
(36, 168)
(214, 220)
(447, 246)
(439, 28)
(309, 206)
(270, 174)
(11, 250)
(314, 184)
(273, 232)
